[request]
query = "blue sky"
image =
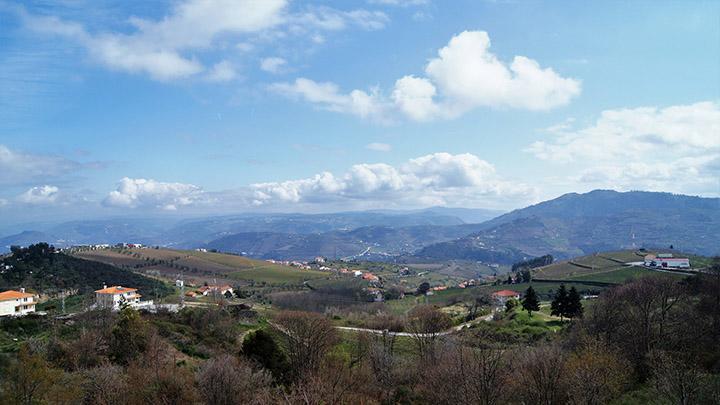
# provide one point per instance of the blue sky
(195, 107)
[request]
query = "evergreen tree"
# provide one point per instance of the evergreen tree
(574, 308)
(558, 307)
(530, 301)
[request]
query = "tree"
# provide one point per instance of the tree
(595, 374)
(510, 305)
(426, 324)
(423, 288)
(129, 337)
(558, 307)
(539, 375)
(28, 379)
(306, 337)
(224, 380)
(530, 301)
(574, 307)
(262, 348)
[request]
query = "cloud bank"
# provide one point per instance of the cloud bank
(675, 148)
(142, 193)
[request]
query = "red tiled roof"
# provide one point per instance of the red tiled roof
(115, 290)
(13, 295)
(506, 293)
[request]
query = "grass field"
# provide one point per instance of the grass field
(623, 274)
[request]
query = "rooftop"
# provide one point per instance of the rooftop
(115, 290)
(506, 293)
(13, 295)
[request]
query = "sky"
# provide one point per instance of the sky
(195, 107)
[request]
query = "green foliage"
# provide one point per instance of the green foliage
(510, 305)
(558, 307)
(129, 337)
(530, 301)
(261, 347)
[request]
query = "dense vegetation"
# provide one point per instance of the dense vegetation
(41, 268)
(652, 340)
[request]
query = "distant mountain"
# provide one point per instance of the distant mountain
(601, 220)
(373, 242)
(191, 233)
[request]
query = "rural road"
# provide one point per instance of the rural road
(457, 328)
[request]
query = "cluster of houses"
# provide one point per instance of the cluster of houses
(666, 260)
(210, 290)
(291, 263)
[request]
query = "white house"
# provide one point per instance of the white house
(16, 303)
(116, 296)
(503, 296)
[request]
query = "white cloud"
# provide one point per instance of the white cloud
(273, 65)
(378, 147)
(222, 72)
(674, 149)
(157, 47)
(329, 19)
(439, 178)
(3, 202)
(328, 96)
(134, 193)
(20, 168)
(465, 76)
(40, 195)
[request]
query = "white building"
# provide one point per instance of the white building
(666, 260)
(116, 296)
(16, 303)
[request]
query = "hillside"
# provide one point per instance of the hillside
(577, 224)
(382, 241)
(200, 267)
(39, 268)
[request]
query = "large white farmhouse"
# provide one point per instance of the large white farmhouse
(116, 296)
(16, 303)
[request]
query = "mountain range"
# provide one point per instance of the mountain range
(570, 225)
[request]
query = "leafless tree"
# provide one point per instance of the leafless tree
(426, 324)
(540, 375)
(225, 380)
(105, 385)
(675, 379)
(306, 337)
(595, 373)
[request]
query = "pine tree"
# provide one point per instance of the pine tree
(530, 301)
(558, 307)
(574, 305)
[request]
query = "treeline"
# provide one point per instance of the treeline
(533, 263)
(653, 340)
(41, 268)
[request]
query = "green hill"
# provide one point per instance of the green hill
(40, 268)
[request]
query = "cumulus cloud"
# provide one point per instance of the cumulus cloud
(330, 19)
(273, 65)
(379, 147)
(676, 148)
(20, 168)
(464, 76)
(439, 178)
(329, 97)
(134, 193)
(40, 195)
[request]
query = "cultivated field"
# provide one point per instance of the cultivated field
(201, 267)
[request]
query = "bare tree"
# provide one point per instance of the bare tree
(106, 385)
(465, 375)
(225, 380)
(540, 375)
(595, 374)
(306, 337)
(426, 325)
(675, 379)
